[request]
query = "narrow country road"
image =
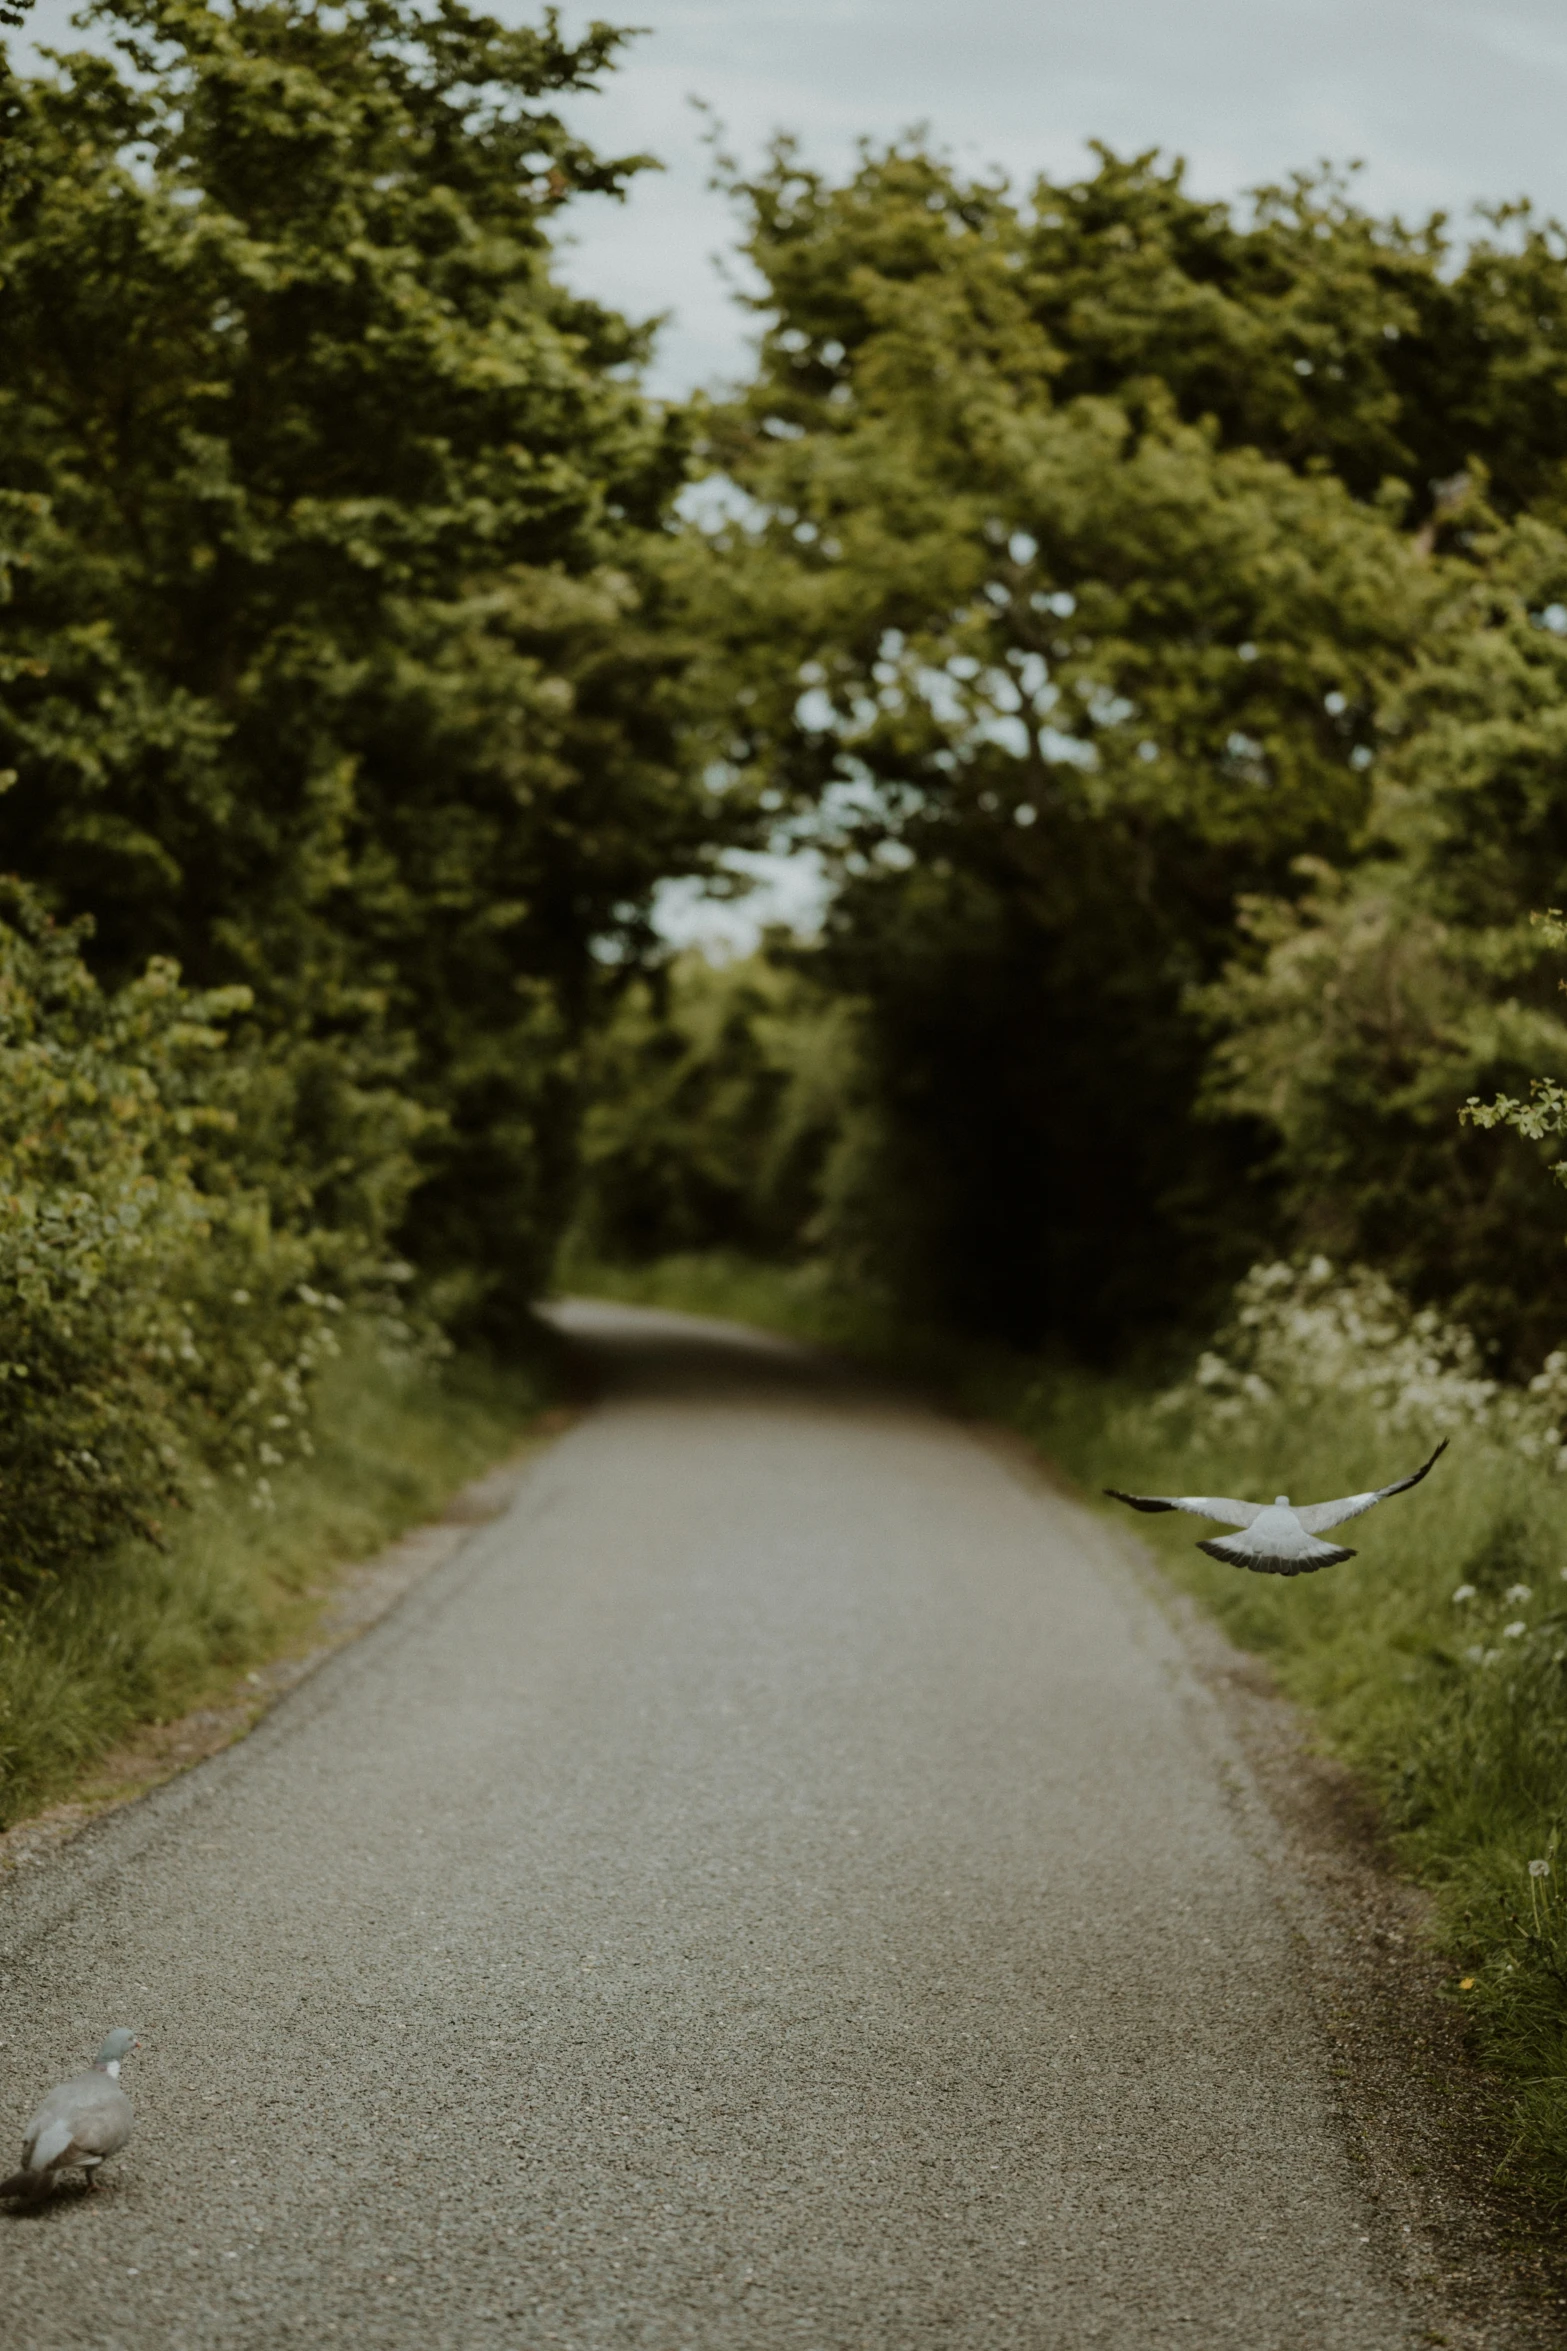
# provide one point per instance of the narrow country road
(778, 1889)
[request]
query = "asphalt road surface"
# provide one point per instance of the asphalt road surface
(777, 1889)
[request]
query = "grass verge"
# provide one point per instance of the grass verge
(1434, 1663)
(142, 1635)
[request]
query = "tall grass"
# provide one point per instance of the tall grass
(144, 1633)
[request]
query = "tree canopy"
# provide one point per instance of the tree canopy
(333, 540)
(1153, 612)
(1100, 555)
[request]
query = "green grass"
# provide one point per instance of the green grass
(1466, 1759)
(142, 1635)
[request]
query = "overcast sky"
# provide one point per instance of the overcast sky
(1445, 101)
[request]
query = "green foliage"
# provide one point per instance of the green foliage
(1392, 992)
(1071, 656)
(1102, 554)
(1542, 1115)
(339, 674)
(159, 1330)
(335, 674)
(719, 1097)
(1356, 1038)
(334, 568)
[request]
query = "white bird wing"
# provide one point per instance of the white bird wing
(1231, 1514)
(1317, 1517)
(48, 2137)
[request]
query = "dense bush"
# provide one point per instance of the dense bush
(159, 1328)
(720, 1100)
(1368, 1008)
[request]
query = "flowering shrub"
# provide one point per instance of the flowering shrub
(1304, 1334)
(156, 1330)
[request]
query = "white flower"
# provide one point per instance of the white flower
(1519, 1592)
(1467, 1591)
(1539, 1869)
(1475, 1654)
(1514, 1631)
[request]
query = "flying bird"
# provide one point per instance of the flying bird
(78, 2124)
(1277, 1539)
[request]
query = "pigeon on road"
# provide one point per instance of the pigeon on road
(78, 2124)
(1278, 1539)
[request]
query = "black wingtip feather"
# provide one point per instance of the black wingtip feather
(1414, 1479)
(1137, 1501)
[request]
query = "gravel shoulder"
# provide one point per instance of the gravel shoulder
(785, 1882)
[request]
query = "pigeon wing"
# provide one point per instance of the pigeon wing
(1231, 1514)
(1317, 1517)
(90, 2116)
(102, 2125)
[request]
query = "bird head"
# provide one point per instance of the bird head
(119, 2044)
(1281, 1501)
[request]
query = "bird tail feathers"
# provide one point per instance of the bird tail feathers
(1235, 1553)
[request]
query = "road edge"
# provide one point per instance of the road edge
(1424, 2122)
(354, 1597)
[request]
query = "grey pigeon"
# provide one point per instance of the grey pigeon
(1278, 1539)
(78, 2124)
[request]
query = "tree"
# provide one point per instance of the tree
(336, 658)
(157, 1327)
(1400, 987)
(720, 1094)
(1059, 603)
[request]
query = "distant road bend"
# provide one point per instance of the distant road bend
(775, 1890)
